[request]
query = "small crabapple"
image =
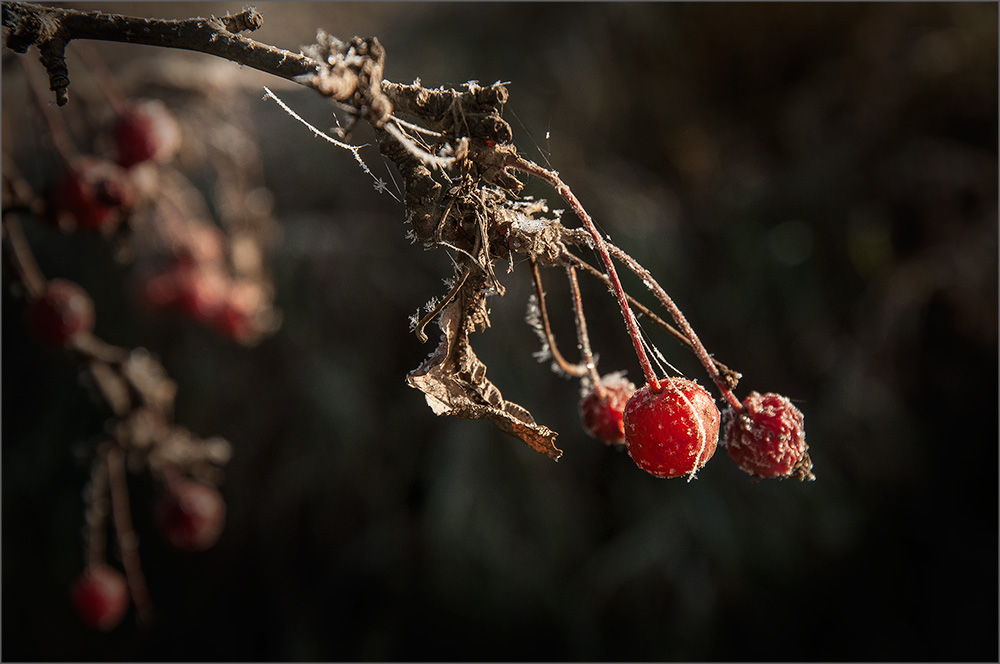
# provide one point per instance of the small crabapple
(92, 194)
(146, 131)
(236, 318)
(767, 437)
(63, 311)
(100, 597)
(191, 515)
(673, 431)
(201, 291)
(601, 409)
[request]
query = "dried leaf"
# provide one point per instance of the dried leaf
(454, 381)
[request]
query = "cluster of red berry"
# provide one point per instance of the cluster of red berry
(97, 194)
(189, 517)
(675, 431)
(194, 281)
(100, 195)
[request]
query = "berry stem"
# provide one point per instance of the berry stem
(128, 541)
(567, 195)
(582, 337)
(575, 370)
(97, 515)
(696, 346)
(731, 376)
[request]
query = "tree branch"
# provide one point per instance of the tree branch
(51, 28)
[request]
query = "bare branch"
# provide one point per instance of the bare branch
(51, 28)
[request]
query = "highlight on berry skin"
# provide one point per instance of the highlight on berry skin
(767, 438)
(674, 431)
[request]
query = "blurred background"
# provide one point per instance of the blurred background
(815, 185)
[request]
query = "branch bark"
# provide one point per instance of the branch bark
(51, 28)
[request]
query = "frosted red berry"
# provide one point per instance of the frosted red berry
(146, 131)
(191, 516)
(767, 437)
(673, 431)
(63, 311)
(601, 409)
(100, 597)
(92, 194)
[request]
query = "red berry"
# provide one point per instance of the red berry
(62, 312)
(767, 438)
(672, 432)
(146, 131)
(237, 317)
(601, 410)
(100, 596)
(191, 516)
(92, 194)
(201, 291)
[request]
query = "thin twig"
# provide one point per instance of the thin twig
(567, 195)
(97, 514)
(575, 370)
(699, 349)
(582, 337)
(731, 376)
(128, 541)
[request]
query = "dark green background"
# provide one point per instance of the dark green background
(815, 184)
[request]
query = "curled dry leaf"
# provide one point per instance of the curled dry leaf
(454, 381)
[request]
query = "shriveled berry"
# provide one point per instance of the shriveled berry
(674, 431)
(191, 516)
(601, 409)
(63, 311)
(100, 597)
(92, 194)
(767, 438)
(146, 131)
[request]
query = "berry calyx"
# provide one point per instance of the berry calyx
(601, 409)
(63, 311)
(191, 516)
(92, 194)
(100, 597)
(673, 431)
(767, 437)
(146, 131)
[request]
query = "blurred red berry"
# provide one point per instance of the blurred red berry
(191, 516)
(63, 311)
(672, 432)
(237, 318)
(146, 131)
(201, 291)
(202, 243)
(100, 597)
(767, 438)
(601, 410)
(92, 194)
